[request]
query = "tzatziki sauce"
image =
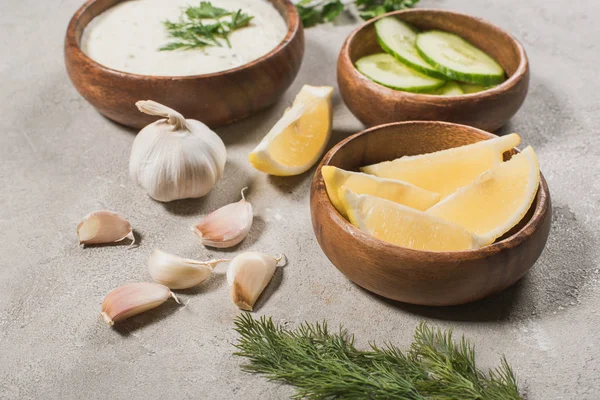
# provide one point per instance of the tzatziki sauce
(127, 38)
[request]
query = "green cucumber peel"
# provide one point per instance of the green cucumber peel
(398, 76)
(380, 29)
(473, 78)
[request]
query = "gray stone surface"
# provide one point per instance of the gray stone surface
(59, 160)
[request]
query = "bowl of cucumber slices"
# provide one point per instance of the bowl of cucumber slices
(432, 65)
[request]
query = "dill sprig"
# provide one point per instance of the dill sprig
(322, 365)
(203, 26)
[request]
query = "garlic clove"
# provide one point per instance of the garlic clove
(104, 227)
(226, 226)
(132, 299)
(179, 273)
(248, 275)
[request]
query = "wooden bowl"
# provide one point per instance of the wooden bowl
(215, 99)
(374, 104)
(414, 276)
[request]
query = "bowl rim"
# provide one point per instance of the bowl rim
(72, 45)
(517, 238)
(509, 83)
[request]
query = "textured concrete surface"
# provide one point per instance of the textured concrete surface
(59, 160)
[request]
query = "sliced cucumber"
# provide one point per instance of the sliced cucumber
(473, 88)
(451, 88)
(387, 71)
(458, 59)
(398, 38)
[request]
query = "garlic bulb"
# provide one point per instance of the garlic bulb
(179, 273)
(175, 158)
(135, 298)
(227, 226)
(248, 275)
(104, 227)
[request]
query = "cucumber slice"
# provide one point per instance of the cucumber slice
(451, 88)
(387, 71)
(473, 88)
(398, 39)
(458, 59)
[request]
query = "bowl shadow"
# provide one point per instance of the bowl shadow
(558, 117)
(558, 280)
(494, 308)
(120, 126)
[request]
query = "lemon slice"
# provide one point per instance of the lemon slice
(445, 171)
(497, 200)
(405, 226)
(298, 139)
(359, 183)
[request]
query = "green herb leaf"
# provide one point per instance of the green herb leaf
(206, 10)
(331, 10)
(309, 16)
(372, 8)
(173, 46)
(239, 20)
(204, 26)
(314, 12)
(321, 364)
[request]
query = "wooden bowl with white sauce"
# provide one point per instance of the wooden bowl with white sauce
(216, 98)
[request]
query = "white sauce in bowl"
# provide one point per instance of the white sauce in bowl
(127, 37)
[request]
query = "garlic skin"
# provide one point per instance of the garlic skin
(104, 226)
(175, 158)
(132, 299)
(179, 273)
(226, 226)
(248, 275)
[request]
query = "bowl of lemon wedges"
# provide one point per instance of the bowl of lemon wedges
(431, 213)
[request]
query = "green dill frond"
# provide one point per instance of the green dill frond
(203, 26)
(325, 365)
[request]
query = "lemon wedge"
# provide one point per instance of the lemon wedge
(405, 226)
(359, 183)
(298, 139)
(445, 171)
(497, 200)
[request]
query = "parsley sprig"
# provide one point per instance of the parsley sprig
(204, 25)
(314, 12)
(325, 365)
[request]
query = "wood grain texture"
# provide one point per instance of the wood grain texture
(413, 276)
(215, 99)
(374, 104)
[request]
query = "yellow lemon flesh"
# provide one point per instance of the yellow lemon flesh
(359, 183)
(445, 171)
(298, 139)
(497, 200)
(405, 226)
